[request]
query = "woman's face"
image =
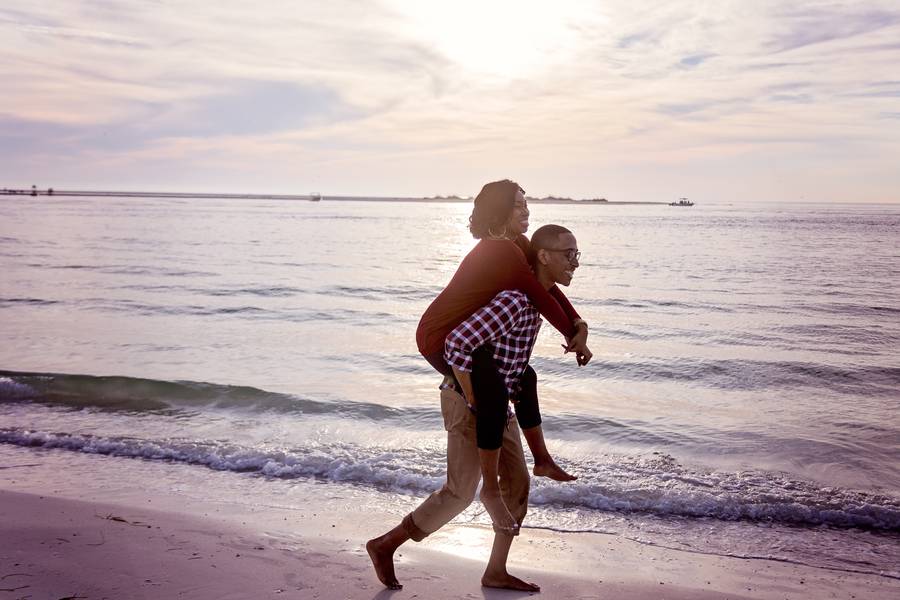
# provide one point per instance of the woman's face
(518, 219)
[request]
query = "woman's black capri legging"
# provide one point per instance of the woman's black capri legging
(492, 396)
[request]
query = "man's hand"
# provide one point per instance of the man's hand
(585, 357)
(465, 382)
(578, 344)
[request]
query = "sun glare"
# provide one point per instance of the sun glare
(501, 37)
(466, 541)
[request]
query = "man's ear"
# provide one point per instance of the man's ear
(542, 257)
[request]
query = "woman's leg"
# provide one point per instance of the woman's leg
(528, 414)
(491, 397)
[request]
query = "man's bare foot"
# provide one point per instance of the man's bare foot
(549, 468)
(508, 582)
(496, 508)
(383, 561)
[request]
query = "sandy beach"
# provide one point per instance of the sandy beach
(65, 543)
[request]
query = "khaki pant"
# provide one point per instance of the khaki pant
(464, 472)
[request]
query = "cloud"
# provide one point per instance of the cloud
(775, 65)
(256, 107)
(684, 108)
(284, 92)
(642, 37)
(875, 89)
(793, 98)
(788, 86)
(810, 26)
(694, 60)
(97, 37)
(34, 24)
(881, 94)
(19, 136)
(704, 109)
(246, 109)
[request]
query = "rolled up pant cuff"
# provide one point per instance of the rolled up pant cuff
(413, 530)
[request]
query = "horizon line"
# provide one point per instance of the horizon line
(313, 197)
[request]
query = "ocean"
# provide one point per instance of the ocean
(743, 398)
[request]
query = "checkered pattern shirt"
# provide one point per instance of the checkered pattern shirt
(510, 323)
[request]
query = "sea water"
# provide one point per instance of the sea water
(743, 398)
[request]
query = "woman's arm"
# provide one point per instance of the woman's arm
(514, 273)
(578, 342)
(564, 303)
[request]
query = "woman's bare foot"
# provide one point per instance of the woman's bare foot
(383, 561)
(507, 582)
(496, 508)
(549, 468)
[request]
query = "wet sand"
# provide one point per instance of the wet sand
(57, 547)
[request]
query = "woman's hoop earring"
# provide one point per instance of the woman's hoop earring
(503, 236)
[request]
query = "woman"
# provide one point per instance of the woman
(499, 262)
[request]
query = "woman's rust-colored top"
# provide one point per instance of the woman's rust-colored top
(490, 267)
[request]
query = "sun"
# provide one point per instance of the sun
(498, 37)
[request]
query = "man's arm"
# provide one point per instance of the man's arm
(487, 324)
(465, 382)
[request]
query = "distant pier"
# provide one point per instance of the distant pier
(113, 194)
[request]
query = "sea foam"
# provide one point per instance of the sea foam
(655, 485)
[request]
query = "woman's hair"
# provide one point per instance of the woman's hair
(493, 206)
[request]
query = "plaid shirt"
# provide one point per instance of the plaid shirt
(510, 323)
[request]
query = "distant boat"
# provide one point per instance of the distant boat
(682, 202)
(315, 197)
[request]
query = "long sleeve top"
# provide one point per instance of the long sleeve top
(490, 267)
(510, 324)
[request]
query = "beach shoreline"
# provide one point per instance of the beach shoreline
(62, 541)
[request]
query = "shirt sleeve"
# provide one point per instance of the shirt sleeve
(487, 324)
(564, 303)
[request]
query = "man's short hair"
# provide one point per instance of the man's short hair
(544, 238)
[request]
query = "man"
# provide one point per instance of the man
(502, 333)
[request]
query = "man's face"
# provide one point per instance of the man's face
(562, 259)
(518, 220)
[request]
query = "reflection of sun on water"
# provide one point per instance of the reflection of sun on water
(456, 242)
(497, 37)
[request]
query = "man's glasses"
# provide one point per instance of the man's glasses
(570, 254)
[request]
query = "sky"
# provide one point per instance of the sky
(627, 100)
